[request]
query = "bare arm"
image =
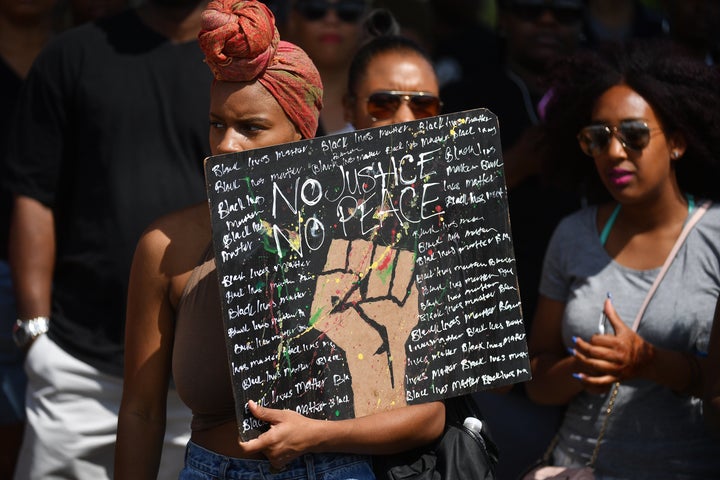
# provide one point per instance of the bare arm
(388, 432)
(552, 366)
(32, 256)
(149, 335)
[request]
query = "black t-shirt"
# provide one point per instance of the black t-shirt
(535, 208)
(112, 134)
(10, 84)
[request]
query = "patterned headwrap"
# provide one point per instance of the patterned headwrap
(241, 44)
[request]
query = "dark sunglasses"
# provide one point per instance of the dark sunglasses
(632, 134)
(312, 10)
(383, 104)
(566, 15)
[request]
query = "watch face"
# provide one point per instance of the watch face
(21, 334)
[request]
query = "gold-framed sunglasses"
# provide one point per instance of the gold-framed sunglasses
(632, 134)
(382, 104)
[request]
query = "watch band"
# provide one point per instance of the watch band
(25, 331)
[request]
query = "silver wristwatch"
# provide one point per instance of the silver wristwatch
(25, 331)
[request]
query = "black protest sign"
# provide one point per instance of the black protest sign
(369, 270)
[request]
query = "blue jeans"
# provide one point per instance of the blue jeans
(12, 376)
(202, 464)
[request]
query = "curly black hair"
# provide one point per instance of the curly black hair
(683, 92)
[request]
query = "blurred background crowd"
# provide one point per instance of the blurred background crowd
(496, 54)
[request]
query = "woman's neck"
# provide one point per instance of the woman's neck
(332, 115)
(643, 233)
(668, 210)
(20, 43)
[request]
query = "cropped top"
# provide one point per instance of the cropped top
(200, 362)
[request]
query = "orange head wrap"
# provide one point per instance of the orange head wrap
(241, 44)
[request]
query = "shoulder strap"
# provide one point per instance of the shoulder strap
(616, 387)
(668, 261)
(671, 256)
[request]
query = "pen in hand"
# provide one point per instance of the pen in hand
(604, 326)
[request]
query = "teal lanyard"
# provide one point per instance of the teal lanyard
(613, 216)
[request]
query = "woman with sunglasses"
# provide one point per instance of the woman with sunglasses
(266, 92)
(329, 31)
(391, 78)
(639, 130)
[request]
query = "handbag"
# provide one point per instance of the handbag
(549, 472)
(542, 470)
(461, 453)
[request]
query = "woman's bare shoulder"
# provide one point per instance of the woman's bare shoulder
(178, 237)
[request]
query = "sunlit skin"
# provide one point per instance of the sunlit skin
(394, 70)
(635, 176)
(242, 116)
(246, 116)
(653, 212)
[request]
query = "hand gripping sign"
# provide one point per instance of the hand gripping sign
(368, 270)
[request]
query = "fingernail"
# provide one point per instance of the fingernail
(571, 351)
(574, 339)
(609, 296)
(578, 376)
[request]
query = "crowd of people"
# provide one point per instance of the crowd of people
(609, 119)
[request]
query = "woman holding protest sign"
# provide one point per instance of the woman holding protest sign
(267, 92)
(631, 376)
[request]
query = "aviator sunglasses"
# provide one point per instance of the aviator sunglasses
(383, 104)
(632, 134)
(348, 11)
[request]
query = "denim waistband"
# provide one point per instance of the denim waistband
(309, 466)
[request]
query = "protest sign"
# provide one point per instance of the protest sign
(368, 270)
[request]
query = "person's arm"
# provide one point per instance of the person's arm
(32, 256)
(626, 355)
(711, 407)
(393, 431)
(551, 365)
(149, 333)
